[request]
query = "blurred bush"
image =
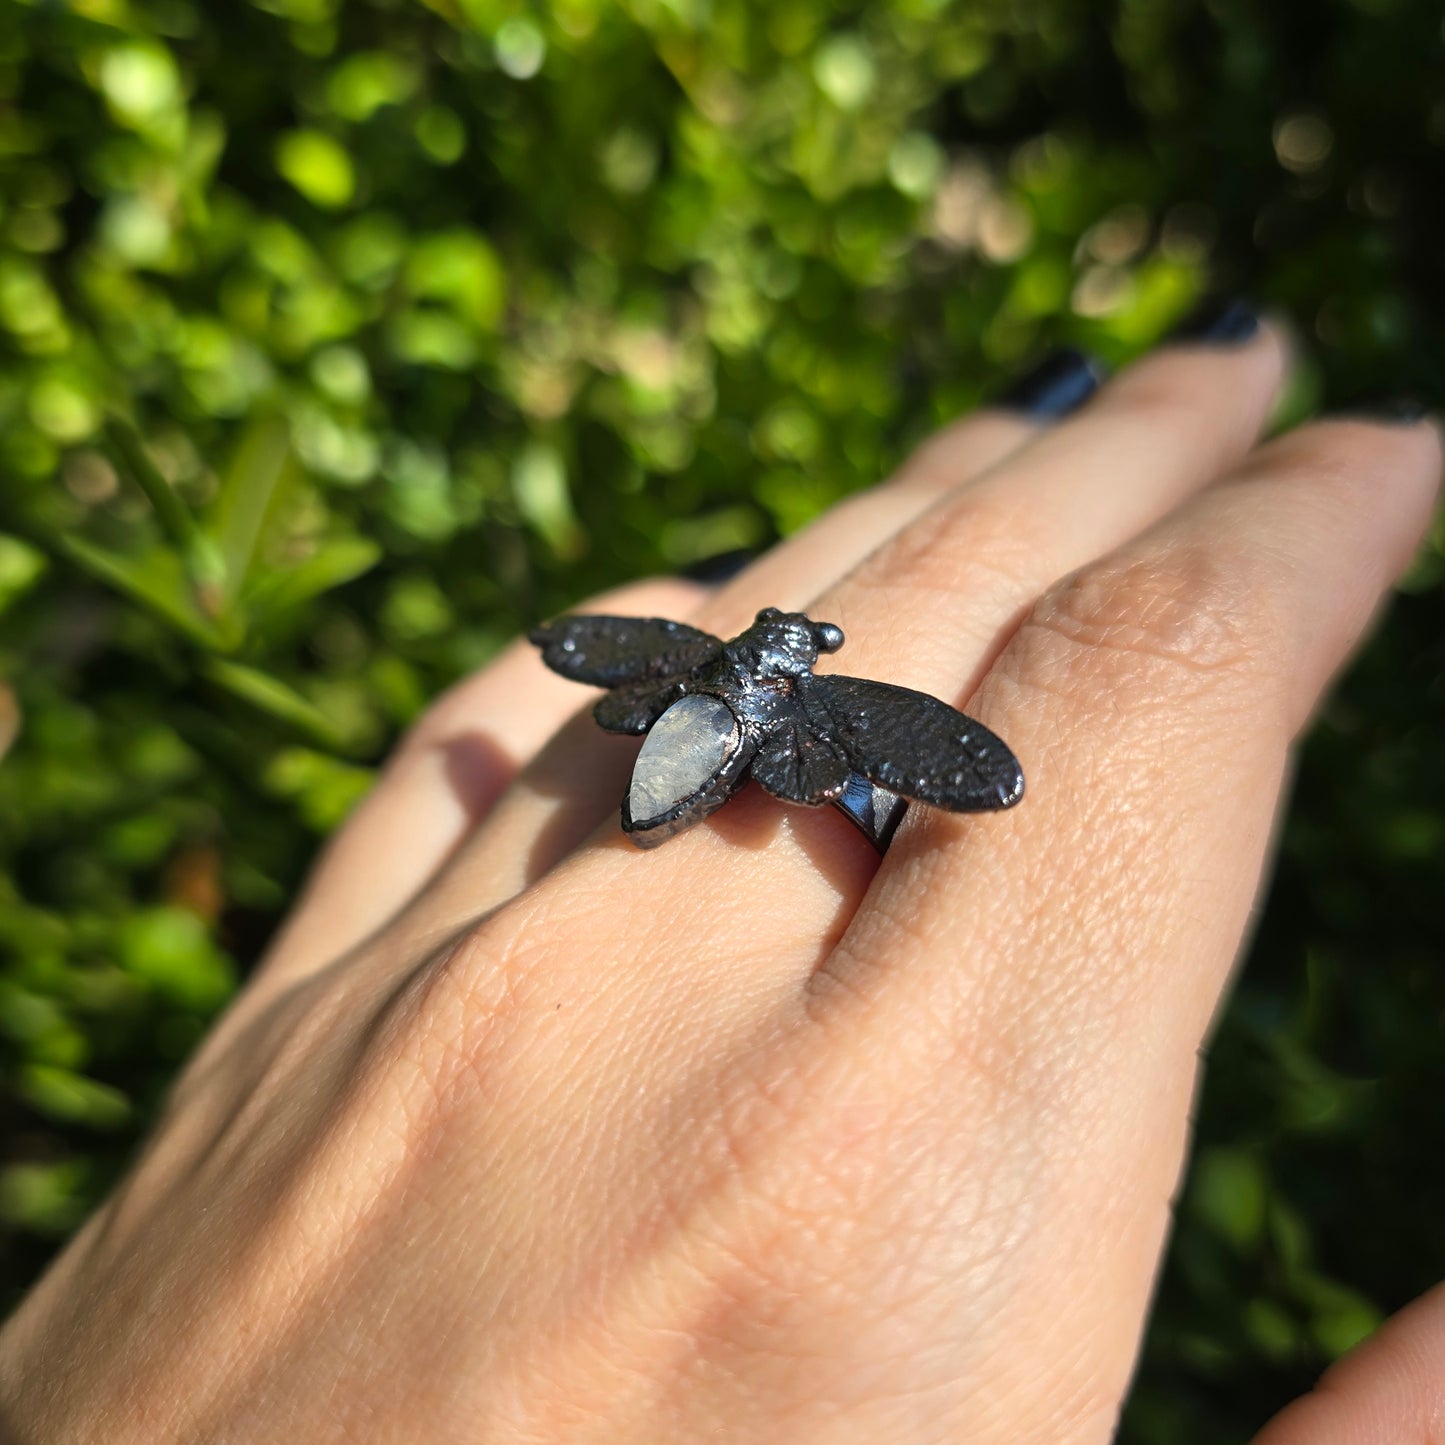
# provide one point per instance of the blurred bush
(339, 341)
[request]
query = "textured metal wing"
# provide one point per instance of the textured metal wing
(798, 764)
(617, 651)
(635, 709)
(916, 745)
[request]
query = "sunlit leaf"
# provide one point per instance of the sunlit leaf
(539, 484)
(171, 951)
(334, 563)
(252, 490)
(203, 562)
(72, 1097)
(275, 698)
(324, 789)
(318, 166)
(21, 567)
(49, 1198)
(154, 578)
(460, 268)
(1228, 1192)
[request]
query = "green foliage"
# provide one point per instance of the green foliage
(337, 342)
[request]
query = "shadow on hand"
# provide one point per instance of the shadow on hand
(583, 773)
(478, 772)
(587, 772)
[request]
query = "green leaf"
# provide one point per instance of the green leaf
(324, 789)
(459, 268)
(1340, 1316)
(132, 458)
(46, 1197)
(845, 71)
(155, 579)
(253, 487)
(1229, 1193)
(317, 166)
(203, 561)
(62, 1094)
(171, 950)
(141, 81)
(539, 485)
(21, 567)
(368, 80)
(1270, 1327)
(333, 564)
(276, 699)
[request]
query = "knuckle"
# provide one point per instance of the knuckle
(761, 1110)
(958, 451)
(978, 541)
(1182, 618)
(460, 1008)
(827, 1176)
(437, 1036)
(490, 1013)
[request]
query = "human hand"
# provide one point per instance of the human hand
(522, 1134)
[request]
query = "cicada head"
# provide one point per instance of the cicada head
(782, 644)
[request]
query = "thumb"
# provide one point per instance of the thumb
(1389, 1390)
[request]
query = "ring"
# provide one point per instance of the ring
(716, 713)
(873, 810)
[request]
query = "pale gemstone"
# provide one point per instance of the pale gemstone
(685, 750)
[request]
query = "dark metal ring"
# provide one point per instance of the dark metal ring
(717, 713)
(874, 811)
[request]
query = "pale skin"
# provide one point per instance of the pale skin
(521, 1134)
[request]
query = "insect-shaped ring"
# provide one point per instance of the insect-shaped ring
(716, 713)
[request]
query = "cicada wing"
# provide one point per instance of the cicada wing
(917, 746)
(634, 709)
(797, 764)
(619, 651)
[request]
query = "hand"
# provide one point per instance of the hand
(522, 1134)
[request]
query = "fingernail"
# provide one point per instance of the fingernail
(1391, 410)
(1061, 383)
(1226, 322)
(714, 571)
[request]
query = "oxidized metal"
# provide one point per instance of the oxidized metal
(862, 746)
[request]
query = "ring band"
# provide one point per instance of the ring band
(874, 811)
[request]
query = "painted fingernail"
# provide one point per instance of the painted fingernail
(1061, 383)
(1391, 410)
(1224, 322)
(714, 571)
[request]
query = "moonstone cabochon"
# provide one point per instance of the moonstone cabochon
(688, 746)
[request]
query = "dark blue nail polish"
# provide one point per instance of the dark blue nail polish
(1061, 383)
(1391, 410)
(714, 571)
(1227, 322)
